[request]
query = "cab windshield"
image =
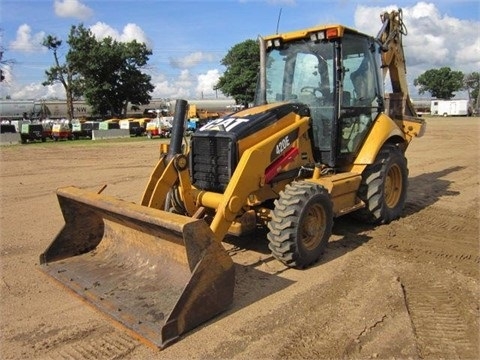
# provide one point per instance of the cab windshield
(307, 72)
(300, 71)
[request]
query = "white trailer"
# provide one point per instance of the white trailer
(450, 108)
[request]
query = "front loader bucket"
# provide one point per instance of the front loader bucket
(160, 274)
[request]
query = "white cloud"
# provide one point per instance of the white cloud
(102, 31)
(206, 82)
(185, 85)
(26, 42)
(174, 88)
(72, 8)
(133, 32)
(434, 40)
(37, 91)
(191, 60)
(129, 33)
(470, 54)
(425, 11)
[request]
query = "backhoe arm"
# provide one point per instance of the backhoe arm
(393, 59)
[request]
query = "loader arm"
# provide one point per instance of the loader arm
(250, 176)
(164, 178)
(171, 169)
(161, 180)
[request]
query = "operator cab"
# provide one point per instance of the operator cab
(336, 72)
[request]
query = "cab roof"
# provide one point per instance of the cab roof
(335, 31)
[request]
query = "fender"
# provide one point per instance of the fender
(383, 129)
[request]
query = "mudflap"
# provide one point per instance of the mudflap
(159, 274)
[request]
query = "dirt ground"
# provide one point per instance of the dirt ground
(407, 290)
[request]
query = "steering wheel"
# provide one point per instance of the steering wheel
(311, 90)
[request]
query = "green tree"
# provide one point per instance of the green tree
(62, 73)
(240, 77)
(111, 71)
(440, 83)
(472, 85)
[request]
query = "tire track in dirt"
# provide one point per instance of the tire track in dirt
(88, 340)
(102, 342)
(109, 345)
(327, 321)
(439, 327)
(448, 239)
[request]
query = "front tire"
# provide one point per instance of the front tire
(384, 187)
(301, 224)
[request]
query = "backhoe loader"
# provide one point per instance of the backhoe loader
(321, 141)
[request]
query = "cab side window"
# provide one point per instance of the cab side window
(361, 92)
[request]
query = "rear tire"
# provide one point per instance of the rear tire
(384, 187)
(301, 224)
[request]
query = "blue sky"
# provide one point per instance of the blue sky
(190, 37)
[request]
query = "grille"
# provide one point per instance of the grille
(212, 163)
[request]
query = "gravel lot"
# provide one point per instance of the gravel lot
(409, 289)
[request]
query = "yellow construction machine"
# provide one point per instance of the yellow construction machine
(321, 141)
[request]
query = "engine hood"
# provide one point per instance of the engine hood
(249, 121)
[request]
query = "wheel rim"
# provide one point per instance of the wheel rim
(393, 186)
(313, 227)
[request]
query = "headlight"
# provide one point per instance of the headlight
(276, 43)
(317, 36)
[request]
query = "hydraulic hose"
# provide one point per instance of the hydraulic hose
(177, 129)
